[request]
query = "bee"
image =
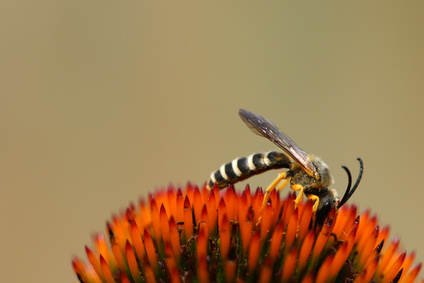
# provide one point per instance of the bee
(308, 174)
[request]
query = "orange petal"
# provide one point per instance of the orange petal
(164, 224)
(79, 270)
(119, 257)
(132, 263)
(170, 259)
(150, 249)
(322, 238)
(171, 209)
(137, 241)
(324, 270)
(230, 198)
(248, 194)
(215, 190)
(276, 239)
(374, 254)
(394, 269)
(265, 274)
(362, 225)
(212, 212)
(205, 194)
(179, 216)
(155, 220)
(222, 210)
(94, 262)
(103, 249)
(254, 251)
(149, 274)
(308, 278)
(243, 206)
(368, 229)
(345, 221)
(383, 235)
(106, 270)
(203, 270)
(266, 221)
(342, 255)
(288, 209)
(190, 192)
(230, 270)
(289, 265)
(369, 247)
(305, 219)
(145, 218)
(197, 204)
(174, 238)
(246, 226)
(291, 229)
(188, 219)
(225, 237)
(305, 250)
(369, 271)
(257, 204)
(202, 243)
(273, 197)
(410, 277)
(120, 231)
(124, 278)
(387, 256)
(408, 261)
(204, 218)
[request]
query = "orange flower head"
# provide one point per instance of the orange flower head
(196, 235)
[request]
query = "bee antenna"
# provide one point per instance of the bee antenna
(347, 194)
(361, 170)
(349, 191)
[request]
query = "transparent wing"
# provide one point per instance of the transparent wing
(265, 128)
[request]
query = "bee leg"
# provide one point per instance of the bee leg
(268, 191)
(274, 183)
(297, 188)
(315, 199)
(283, 184)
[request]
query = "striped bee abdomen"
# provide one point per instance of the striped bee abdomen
(245, 167)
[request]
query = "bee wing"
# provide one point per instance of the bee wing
(265, 128)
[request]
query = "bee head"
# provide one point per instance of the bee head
(329, 198)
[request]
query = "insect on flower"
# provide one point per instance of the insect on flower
(307, 173)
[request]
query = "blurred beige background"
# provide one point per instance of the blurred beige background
(102, 101)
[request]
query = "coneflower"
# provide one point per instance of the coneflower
(196, 235)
